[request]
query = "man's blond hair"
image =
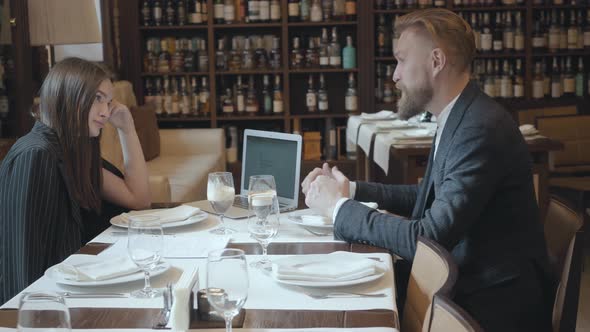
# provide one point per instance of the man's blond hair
(447, 30)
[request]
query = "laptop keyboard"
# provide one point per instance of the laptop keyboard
(242, 202)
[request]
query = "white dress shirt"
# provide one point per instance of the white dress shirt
(441, 120)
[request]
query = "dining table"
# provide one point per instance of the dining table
(271, 305)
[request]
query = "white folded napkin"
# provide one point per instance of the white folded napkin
(178, 213)
(101, 268)
(528, 129)
(337, 266)
(313, 220)
(392, 124)
(381, 115)
(181, 308)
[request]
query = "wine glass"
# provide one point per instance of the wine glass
(43, 311)
(220, 194)
(227, 282)
(145, 245)
(263, 224)
(262, 183)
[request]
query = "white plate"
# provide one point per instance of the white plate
(362, 280)
(53, 273)
(120, 222)
(315, 228)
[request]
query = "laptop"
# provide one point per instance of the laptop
(267, 153)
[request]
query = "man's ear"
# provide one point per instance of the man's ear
(439, 61)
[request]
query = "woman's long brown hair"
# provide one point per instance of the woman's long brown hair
(67, 95)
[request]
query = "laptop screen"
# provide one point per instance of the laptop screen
(272, 156)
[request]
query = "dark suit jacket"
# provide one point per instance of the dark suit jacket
(40, 224)
(477, 199)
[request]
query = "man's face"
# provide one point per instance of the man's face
(413, 73)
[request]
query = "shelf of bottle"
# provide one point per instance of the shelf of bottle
(249, 117)
(246, 25)
(584, 52)
(321, 24)
(182, 118)
(488, 8)
(564, 6)
(394, 11)
(385, 58)
(321, 115)
(523, 103)
(322, 70)
(492, 55)
(250, 72)
(182, 73)
(173, 27)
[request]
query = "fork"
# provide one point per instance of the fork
(342, 294)
(164, 315)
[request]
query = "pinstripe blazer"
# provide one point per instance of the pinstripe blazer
(40, 223)
(476, 199)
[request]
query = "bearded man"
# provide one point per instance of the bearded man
(477, 197)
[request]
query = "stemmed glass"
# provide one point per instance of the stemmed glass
(42, 311)
(145, 245)
(220, 194)
(227, 282)
(263, 224)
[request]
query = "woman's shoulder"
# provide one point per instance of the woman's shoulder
(32, 147)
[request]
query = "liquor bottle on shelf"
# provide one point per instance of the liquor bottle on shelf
(293, 9)
(167, 97)
(497, 78)
(330, 147)
(538, 82)
(266, 96)
(235, 56)
(556, 86)
(146, 13)
(204, 11)
(351, 98)
(323, 104)
(311, 97)
(569, 79)
(383, 38)
(185, 100)
(221, 55)
(194, 12)
(486, 36)
(350, 10)
(163, 57)
(275, 11)
(203, 56)
(312, 56)
(580, 31)
(380, 86)
(316, 13)
(296, 58)
(157, 96)
(227, 105)
(394, 34)
(260, 55)
(275, 54)
(506, 87)
(580, 78)
(554, 33)
(424, 3)
(148, 95)
(349, 54)
(518, 33)
(194, 96)
(251, 100)
(335, 51)
(264, 11)
(177, 60)
(219, 12)
(229, 11)
(277, 100)
(304, 10)
(519, 80)
(150, 59)
(388, 85)
(170, 13)
(473, 21)
(324, 51)
(157, 13)
(204, 96)
(339, 10)
(253, 11)
(327, 8)
(240, 98)
(175, 98)
(247, 56)
(189, 57)
(562, 31)
(539, 41)
(572, 32)
(489, 86)
(587, 31)
(508, 33)
(439, 3)
(180, 13)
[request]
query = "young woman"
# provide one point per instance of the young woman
(54, 172)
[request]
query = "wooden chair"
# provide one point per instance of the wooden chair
(433, 271)
(565, 249)
(448, 316)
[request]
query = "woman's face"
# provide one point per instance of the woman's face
(101, 108)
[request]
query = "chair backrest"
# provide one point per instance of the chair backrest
(448, 316)
(565, 246)
(574, 132)
(433, 271)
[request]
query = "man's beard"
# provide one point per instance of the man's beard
(414, 102)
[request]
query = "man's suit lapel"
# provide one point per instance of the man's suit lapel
(457, 112)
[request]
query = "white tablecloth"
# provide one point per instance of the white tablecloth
(365, 329)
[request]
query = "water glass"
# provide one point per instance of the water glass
(43, 311)
(263, 223)
(227, 283)
(145, 245)
(220, 194)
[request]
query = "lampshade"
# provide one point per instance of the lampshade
(62, 22)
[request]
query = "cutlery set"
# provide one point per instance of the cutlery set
(164, 315)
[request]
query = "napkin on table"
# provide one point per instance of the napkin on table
(381, 115)
(178, 213)
(337, 266)
(102, 268)
(181, 308)
(528, 129)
